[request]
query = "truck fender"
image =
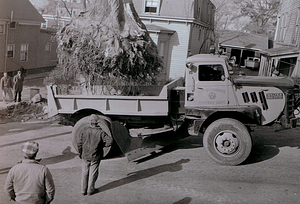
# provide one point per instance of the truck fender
(203, 117)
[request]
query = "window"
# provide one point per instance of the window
(213, 72)
(278, 29)
(151, 6)
(296, 28)
(44, 25)
(24, 52)
(48, 47)
(284, 26)
(162, 49)
(10, 51)
(1, 29)
(199, 13)
(200, 34)
(12, 25)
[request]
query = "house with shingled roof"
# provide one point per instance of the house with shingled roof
(241, 45)
(22, 41)
(179, 29)
(284, 57)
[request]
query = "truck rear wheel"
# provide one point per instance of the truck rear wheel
(227, 141)
(84, 122)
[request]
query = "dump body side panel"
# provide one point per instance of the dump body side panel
(113, 105)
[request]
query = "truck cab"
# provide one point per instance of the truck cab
(208, 82)
(223, 106)
(210, 85)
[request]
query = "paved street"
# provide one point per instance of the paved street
(181, 173)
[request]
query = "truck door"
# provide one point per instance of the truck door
(208, 86)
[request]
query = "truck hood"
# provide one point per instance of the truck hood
(264, 81)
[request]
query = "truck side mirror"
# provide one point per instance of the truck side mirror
(192, 67)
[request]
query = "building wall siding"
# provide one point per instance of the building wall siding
(287, 18)
(202, 10)
(36, 40)
(169, 8)
(2, 47)
(200, 41)
(178, 46)
(192, 21)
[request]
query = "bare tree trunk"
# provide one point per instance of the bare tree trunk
(110, 44)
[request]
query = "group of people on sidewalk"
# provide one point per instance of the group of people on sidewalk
(31, 182)
(7, 84)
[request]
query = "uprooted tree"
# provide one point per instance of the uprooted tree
(107, 45)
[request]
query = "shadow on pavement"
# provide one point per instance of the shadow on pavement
(18, 127)
(261, 153)
(262, 149)
(5, 170)
(66, 155)
(185, 200)
(190, 142)
(138, 175)
(37, 138)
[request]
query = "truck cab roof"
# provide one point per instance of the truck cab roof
(207, 58)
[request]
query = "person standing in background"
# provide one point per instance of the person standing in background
(18, 86)
(6, 85)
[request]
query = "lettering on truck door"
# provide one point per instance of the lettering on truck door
(210, 86)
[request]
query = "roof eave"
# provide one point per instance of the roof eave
(23, 22)
(241, 47)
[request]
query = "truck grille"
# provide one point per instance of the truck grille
(290, 104)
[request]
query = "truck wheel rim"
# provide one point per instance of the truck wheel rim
(226, 143)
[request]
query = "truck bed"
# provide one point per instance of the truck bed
(112, 105)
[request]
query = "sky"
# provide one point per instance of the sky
(38, 3)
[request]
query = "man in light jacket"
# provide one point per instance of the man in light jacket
(28, 181)
(6, 85)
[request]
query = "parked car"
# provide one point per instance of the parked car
(232, 61)
(252, 62)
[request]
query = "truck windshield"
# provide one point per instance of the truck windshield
(211, 72)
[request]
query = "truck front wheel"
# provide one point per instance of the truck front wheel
(227, 141)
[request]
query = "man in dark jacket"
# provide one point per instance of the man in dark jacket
(18, 85)
(90, 149)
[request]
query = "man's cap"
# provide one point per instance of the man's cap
(94, 119)
(30, 148)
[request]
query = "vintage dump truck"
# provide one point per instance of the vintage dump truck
(208, 100)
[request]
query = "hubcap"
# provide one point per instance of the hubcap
(226, 143)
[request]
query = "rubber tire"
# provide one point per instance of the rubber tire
(239, 130)
(84, 122)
